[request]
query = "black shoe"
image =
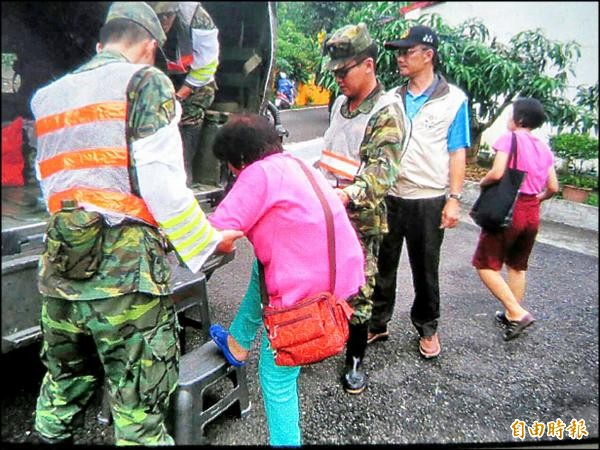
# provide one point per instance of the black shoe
(501, 318)
(355, 379)
(515, 328)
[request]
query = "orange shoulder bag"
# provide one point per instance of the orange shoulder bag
(316, 327)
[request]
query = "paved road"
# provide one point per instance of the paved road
(472, 393)
(305, 124)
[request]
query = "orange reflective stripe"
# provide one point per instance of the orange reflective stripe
(127, 204)
(335, 171)
(187, 60)
(341, 158)
(85, 159)
(181, 65)
(87, 114)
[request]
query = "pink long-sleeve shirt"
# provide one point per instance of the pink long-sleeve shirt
(274, 204)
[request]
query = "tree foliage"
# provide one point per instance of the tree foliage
(311, 18)
(491, 73)
(298, 49)
(297, 54)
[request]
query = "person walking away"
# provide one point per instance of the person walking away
(419, 209)
(106, 133)
(363, 145)
(276, 207)
(512, 246)
(192, 59)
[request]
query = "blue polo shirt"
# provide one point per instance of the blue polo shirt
(459, 133)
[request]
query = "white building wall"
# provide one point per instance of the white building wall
(561, 21)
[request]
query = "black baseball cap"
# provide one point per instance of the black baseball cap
(419, 34)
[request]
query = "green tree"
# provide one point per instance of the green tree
(297, 54)
(491, 73)
(298, 50)
(312, 17)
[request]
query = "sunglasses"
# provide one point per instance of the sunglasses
(341, 73)
(410, 51)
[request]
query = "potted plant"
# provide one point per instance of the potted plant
(576, 149)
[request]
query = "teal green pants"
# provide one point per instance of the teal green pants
(279, 384)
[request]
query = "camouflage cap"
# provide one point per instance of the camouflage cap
(140, 13)
(164, 7)
(346, 44)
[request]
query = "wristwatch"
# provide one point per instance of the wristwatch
(455, 196)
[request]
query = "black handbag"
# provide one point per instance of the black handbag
(493, 209)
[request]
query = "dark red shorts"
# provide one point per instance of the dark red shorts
(513, 245)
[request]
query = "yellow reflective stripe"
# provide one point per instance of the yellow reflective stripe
(174, 235)
(199, 248)
(134, 313)
(190, 241)
(204, 72)
(170, 223)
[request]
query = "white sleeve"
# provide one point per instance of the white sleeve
(162, 183)
(205, 45)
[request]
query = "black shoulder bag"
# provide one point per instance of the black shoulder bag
(493, 209)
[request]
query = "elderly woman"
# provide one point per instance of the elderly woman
(273, 203)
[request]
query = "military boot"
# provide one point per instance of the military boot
(354, 379)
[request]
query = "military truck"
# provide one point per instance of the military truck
(45, 40)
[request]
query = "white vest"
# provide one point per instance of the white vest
(424, 172)
(340, 159)
(83, 155)
(82, 147)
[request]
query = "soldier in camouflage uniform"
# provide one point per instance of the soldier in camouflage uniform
(367, 135)
(192, 52)
(103, 275)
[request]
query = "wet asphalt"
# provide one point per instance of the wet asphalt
(470, 394)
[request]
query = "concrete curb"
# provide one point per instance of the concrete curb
(554, 210)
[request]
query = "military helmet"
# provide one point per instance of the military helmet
(346, 44)
(140, 13)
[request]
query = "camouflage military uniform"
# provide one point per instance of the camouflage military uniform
(195, 106)
(123, 307)
(380, 153)
(202, 93)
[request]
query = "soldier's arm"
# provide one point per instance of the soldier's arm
(157, 157)
(380, 154)
(205, 48)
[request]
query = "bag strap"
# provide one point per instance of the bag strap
(512, 159)
(330, 236)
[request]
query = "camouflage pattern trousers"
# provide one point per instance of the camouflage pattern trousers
(194, 111)
(136, 338)
(362, 302)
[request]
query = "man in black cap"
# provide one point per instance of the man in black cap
(426, 198)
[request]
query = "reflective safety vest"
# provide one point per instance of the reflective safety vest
(340, 158)
(82, 147)
(178, 48)
(191, 51)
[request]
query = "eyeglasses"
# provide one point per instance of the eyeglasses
(341, 73)
(410, 51)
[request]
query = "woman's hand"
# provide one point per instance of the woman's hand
(227, 244)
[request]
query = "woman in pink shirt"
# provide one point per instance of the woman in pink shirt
(512, 246)
(273, 203)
